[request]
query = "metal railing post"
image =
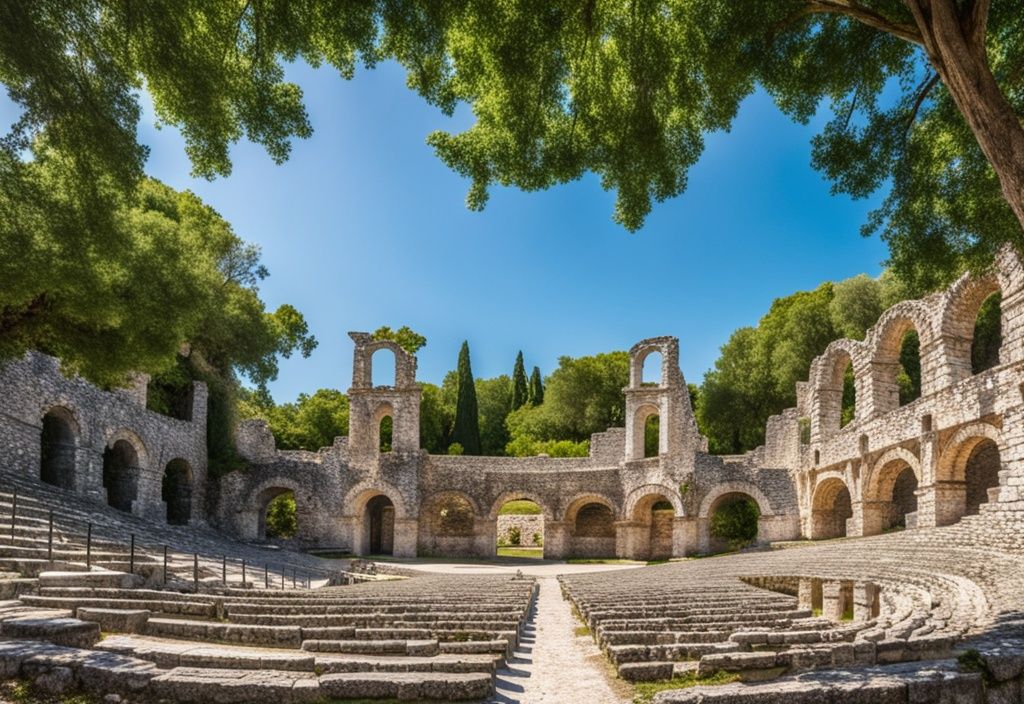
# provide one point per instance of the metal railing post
(49, 540)
(243, 573)
(266, 576)
(88, 546)
(131, 556)
(224, 571)
(165, 564)
(195, 571)
(282, 577)
(14, 513)
(293, 578)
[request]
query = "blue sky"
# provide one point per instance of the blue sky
(364, 226)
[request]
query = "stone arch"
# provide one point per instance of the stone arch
(828, 373)
(747, 488)
(831, 507)
(362, 362)
(176, 491)
(581, 500)
(505, 497)
(886, 341)
(890, 492)
(261, 497)
(448, 524)
(970, 465)
(958, 316)
(383, 367)
(667, 347)
(651, 529)
(376, 508)
(58, 445)
(382, 411)
(123, 460)
(640, 417)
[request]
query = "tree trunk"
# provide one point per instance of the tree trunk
(956, 49)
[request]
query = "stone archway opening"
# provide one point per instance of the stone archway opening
(981, 476)
(733, 522)
(278, 515)
(894, 504)
(593, 531)
(176, 492)
(57, 449)
(832, 507)
(654, 518)
(651, 370)
(987, 337)
(520, 529)
(448, 527)
(646, 432)
(379, 526)
(120, 475)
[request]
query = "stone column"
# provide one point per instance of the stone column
(836, 598)
(867, 518)
(941, 503)
(557, 536)
(809, 593)
(684, 536)
(865, 601)
(406, 535)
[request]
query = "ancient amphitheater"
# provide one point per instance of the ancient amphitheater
(130, 576)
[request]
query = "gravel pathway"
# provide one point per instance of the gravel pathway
(551, 663)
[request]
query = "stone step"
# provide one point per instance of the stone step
(70, 632)
(95, 578)
(424, 647)
(404, 686)
(115, 620)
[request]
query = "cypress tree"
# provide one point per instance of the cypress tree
(467, 421)
(536, 388)
(520, 390)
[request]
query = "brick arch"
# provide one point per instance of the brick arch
(430, 513)
(582, 500)
(884, 344)
(133, 439)
(362, 362)
(751, 490)
(827, 372)
(826, 520)
(957, 450)
(505, 497)
(667, 347)
(67, 412)
(638, 495)
(358, 496)
(871, 489)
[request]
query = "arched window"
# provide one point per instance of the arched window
(120, 475)
(652, 373)
(57, 449)
(733, 521)
(382, 367)
(278, 514)
(652, 436)
(981, 474)
(848, 410)
(385, 434)
(831, 507)
(988, 337)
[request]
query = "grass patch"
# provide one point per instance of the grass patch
(520, 507)
(645, 691)
(534, 553)
(24, 692)
(581, 631)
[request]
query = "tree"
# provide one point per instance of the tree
(309, 423)
(520, 390)
(583, 397)
(282, 520)
(494, 400)
(624, 90)
(466, 431)
(536, 388)
(436, 418)
(406, 338)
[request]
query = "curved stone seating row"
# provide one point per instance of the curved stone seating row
(424, 638)
(898, 598)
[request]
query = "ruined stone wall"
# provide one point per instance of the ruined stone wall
(33, 386)
(530, 529)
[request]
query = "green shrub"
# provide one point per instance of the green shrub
(515, 537)
(735, 521)
(281, 520)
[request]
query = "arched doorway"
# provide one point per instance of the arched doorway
(379, 525)
(520, 529)
(448, 527)
(593, 531)
(120, 475)
(891, 497)
(176, 492)
(831, 507)
(653, 520)
(57, 449)
(733, 522)
(278, 514)
(981, 473)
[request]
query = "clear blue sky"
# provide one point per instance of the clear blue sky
(364, 226)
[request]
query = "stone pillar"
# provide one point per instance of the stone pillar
(836, 599)
(557, 536)
(684, 536)
(941, 503)
(865, 601)
(809, 593)
(867, 518)
(406, 535)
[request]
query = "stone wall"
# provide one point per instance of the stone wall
(89, 429)
(531, 528)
